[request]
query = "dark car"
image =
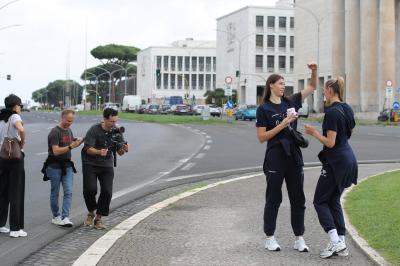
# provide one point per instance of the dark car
(142, 109)
(183, 109)
(153, 109)
(165, 109)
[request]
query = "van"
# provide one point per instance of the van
(131, 103)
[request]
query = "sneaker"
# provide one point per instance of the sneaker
(333, 249)
(4, 230)
(99, 225)
(343, 253)
(271, 244)
(89, 219)
(56, 220)
(300, 245)
(66, 222)
(20, 233)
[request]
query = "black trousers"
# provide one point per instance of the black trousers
(105, 175)
(327, 202)
(278, 167)
(12, 193)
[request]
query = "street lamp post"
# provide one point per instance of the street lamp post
(109, 87)
(97, 85)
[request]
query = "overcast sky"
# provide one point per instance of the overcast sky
(36, 53)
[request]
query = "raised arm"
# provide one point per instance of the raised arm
(312, 86)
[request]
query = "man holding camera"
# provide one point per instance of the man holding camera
(97, 164)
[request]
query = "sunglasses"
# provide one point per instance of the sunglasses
(21, 105)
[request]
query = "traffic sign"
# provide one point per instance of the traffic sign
(396, 105)
(389, 92)
(228, 80)
(229, 105)
(228, 91)
(389, 83)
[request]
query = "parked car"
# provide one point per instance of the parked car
(152, 109)
(183, 109)
(246, 112)
(114, 106)
(142, 109)
(214, 110)
(198, 109)
(165, 109)
(388, 114)
(304, 111)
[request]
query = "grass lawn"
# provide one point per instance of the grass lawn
(164, 119)
(374, 209)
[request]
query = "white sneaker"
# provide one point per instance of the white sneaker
(300, 245)
(332, 249)
(56, 220)
(20, 233)
(4, 230)
(343, 253)
(66, 222)
(271, 244)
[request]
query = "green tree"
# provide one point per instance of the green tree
(219, 97)
(55, 92)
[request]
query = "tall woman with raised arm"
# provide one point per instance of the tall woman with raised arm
(283, 158)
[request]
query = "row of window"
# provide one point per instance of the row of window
(186, 81)
(282, 22)
(271, 63)
(271, 41)
(187, 63)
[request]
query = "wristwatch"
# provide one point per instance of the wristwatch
(69, 147)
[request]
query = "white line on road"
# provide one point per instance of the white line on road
(188, 166)
(41, 153)
(35, 131)
(200, 155)
(208, 137)
(184, 160)
(209, 141)
(375, 134)
(204, 133)
(207, 147)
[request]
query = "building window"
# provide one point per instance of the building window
(271, 22)
(172, 81)
(194, 63)
(186, 81)
(180, 63)
(259, 63)
(158, 77)
(292, 22)
(158, 62)
(282, 22)
(201, 64)
(271, 41)
(201, 81)
(194, 81)
(173, 58)
(291, 63)
(282, 63)
(259, 42)
(208, 64)
(208, 82)
(214, 82)
(165, 81)
(179, 81)
(282, 42)
(166, 63)
(291, 42)
(271, 63)
(214, 64)
(259, 21)
(187, 63)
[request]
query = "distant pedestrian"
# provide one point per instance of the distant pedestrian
(59, 168)
(339, 166)
(12, 172)
(276, 116)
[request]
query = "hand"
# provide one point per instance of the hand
(312, 66)
(289, 119)
(76, 143)
(125, 147)
(103, 152)
(310, 130)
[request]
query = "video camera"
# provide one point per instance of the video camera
(116, 141)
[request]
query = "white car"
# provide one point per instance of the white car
(214, 110)
(198, 109)
(303, 111)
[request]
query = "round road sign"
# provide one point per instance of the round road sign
(228, 79)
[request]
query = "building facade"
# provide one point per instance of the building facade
(252, 43)
(359, 40)
(187, 68)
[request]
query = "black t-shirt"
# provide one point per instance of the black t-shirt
(61, 137)
(338, 118)
(97, 138)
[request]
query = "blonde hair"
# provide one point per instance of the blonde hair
(337, 85)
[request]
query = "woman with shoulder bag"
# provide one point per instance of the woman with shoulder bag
(276, 117)
(339, 166)
(12, 172)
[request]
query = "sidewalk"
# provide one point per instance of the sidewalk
(223, 226)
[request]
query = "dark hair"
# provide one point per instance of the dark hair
(12, 100)
(271, 80)
(67, 112)
(109, 112)
(337, 85)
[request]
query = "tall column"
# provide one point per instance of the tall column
(352, 43)
(338, 37)
(387, 49)
(368, 56)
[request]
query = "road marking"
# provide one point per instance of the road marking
(209, 141)
(208, 137)
(200, 155)
(207, 147)
(35, 131)
(375, 134)
(41, 153)
(204, 133)
(184, 160)
(188, 166)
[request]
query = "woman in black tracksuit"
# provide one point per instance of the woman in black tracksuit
(339, 166)
(283, 159)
